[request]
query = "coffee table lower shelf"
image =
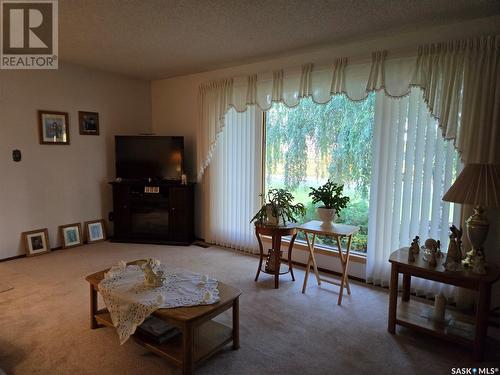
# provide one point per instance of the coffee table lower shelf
(210, 337)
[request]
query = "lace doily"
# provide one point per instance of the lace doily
(129, 301)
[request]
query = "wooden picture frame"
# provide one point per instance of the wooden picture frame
(71, 235)
(95, 231)
(36, 242)
(88, 123)
(53, 127)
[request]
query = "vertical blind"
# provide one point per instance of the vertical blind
(235, 181)
(413, 166)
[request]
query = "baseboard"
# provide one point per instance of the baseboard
(330, 272)
(24, 255)
(13, 258)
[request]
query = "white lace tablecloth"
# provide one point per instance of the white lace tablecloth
(129, 301)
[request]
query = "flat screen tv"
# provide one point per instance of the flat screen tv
(157, 157)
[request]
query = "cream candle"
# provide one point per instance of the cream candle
(439, 307)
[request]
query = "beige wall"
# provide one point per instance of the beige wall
(174, 101)
(53, 184)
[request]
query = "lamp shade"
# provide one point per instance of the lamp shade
(477, 184)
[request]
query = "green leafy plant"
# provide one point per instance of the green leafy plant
(330, 194)
(280, 203)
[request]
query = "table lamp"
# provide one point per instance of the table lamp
(477, 185)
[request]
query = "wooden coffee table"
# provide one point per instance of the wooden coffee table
(201, 336)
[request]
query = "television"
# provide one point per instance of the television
(145, 156)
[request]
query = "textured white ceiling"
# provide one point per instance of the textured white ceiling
(164, 38)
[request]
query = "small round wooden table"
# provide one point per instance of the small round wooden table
(276, 233)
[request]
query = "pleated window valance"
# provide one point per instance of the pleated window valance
(460, 80)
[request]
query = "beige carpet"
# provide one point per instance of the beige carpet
(44, 325)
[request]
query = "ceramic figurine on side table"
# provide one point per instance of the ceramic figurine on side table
(433, 259)
(415, 245)
(432, 246)
(411, 256)
(453, 260)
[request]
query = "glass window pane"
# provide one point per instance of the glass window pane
(310, 143)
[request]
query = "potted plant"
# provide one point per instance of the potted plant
(278, 204)
(330, 194)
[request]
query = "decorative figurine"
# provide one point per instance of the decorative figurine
(415, 245)
(431, 244)
(457, 235)
(152, 275)
(453, 260)
(411, 256)
(433, 259)
(432, 251)
(439, 252)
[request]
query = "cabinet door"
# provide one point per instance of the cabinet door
(121, 210)
(179, 197)
(181, 213)
(179, 224)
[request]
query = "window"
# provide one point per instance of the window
(311, 142)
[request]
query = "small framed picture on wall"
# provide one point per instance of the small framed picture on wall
(36, 242)
(53, 127)
(95, 231)
(89, 123)
(71, 235)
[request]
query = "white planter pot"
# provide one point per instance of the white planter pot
(327, 216)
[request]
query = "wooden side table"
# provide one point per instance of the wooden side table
(411, 314)
(337, 231)
(276, 233)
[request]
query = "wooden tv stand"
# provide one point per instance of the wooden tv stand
(158, 212)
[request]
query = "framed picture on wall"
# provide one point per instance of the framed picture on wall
(36, 242)
(95, 231)
(53, 127)
(71, 235)
(89, 123)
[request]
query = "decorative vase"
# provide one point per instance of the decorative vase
(272, 219)
(327, 216)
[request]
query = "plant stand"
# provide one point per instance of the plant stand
(276, 233)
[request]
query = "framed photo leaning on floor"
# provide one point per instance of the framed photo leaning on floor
(95, 231)
(71, 235)
(36, 242)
